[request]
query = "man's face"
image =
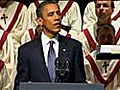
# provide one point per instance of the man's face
(105, 37)
(51, 19)
(3, 2)
(103, 10)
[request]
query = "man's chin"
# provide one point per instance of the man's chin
(57, 31)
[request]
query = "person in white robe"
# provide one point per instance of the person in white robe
(104, 72)
(90, 17)
(13, 23)
(87, 36)
(71, 19)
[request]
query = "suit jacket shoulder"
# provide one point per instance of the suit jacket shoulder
(69, 41)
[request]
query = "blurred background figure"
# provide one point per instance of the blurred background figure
(104, 72)
(103, 10)
(90, 17)
(13, 23)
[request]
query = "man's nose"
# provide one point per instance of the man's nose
(101, 7)
(57, 16)
(106, 39)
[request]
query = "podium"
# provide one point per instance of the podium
(59, 86)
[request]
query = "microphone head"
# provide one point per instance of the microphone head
(57, 64)
(67, 66)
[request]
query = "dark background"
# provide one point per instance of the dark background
(81, 3)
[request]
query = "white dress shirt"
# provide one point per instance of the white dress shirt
(45, 44)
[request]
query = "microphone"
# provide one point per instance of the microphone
(62, 69)
(67, 66)
(57, 64)
(58, 68)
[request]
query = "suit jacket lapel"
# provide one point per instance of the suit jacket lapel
(63, 48)
(41, 60)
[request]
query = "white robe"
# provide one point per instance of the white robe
(72, 18)
(8, 53)
(5, 82)
(91, 29)
(83, 39)
(92, 77)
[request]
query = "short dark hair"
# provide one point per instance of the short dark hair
(106, 27)
(40, 7)
(112, 3)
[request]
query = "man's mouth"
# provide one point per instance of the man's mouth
(57, 24)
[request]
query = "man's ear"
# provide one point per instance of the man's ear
(39, 21)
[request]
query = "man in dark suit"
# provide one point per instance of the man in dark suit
(32, 57)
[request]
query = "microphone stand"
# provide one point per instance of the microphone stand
(61, 72)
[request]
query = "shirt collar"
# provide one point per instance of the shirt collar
(46, 39)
